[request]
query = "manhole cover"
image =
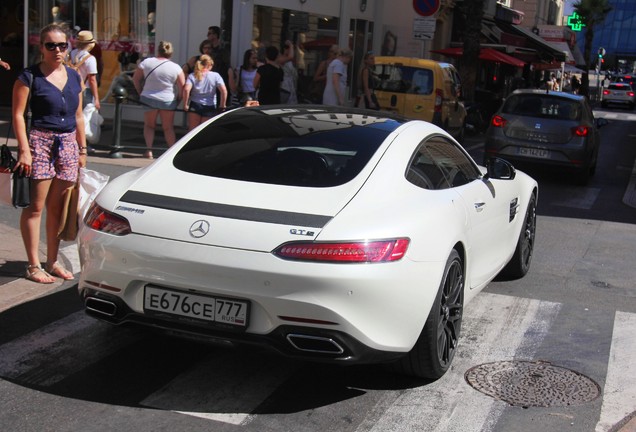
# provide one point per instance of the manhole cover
(538, 384)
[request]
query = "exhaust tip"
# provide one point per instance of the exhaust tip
(100, 306)
(314, 344)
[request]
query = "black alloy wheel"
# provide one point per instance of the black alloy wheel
(433, 353)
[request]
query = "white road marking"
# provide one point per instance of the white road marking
(221, 389)
(33, 357)
(495, 328)
(619, 394)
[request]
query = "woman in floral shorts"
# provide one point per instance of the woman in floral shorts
(53, 152)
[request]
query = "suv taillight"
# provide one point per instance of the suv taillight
(498, 121)
(101, 220)
(439, 97)
(345, 252)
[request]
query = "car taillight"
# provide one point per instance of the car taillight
(439, 97)
(630, 94)
(498, 121)
(101, 220)
(581, 131)
(606, 92)
(345, 252)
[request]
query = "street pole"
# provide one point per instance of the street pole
(119, 94)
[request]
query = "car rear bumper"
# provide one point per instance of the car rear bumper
(316, 344)
(571, 155)
(378, 307)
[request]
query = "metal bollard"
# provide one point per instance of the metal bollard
(119, 94)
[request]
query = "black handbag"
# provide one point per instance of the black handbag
(21, 190)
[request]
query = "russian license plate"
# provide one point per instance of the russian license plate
(207, 308)
(533, 152)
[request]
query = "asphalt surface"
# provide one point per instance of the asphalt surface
(16, 290)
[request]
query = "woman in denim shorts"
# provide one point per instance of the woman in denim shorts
(159, 82)
(53, 151)
(199, 93)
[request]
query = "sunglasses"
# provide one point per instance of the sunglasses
(50, 46)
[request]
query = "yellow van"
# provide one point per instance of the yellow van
(421, 89)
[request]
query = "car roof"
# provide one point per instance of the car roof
(571, 96)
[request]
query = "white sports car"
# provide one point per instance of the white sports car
(325, 233)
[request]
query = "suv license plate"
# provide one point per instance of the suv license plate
(211, 309)
(534, 152)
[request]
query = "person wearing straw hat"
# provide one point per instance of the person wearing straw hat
(86, 65)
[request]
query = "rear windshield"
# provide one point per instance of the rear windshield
(620, 86)
(402, 79)
(546, 106)
(273, 146)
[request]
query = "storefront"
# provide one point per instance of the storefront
(127, 31)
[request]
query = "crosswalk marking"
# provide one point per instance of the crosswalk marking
(228, 387)
(619, 395)
(23, 358)
(495, 328)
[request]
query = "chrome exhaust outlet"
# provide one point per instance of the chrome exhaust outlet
(314, 344)
(100, 306)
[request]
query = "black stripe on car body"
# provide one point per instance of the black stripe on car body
(225, 210)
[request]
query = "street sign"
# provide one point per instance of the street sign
(424, 28)
(426, 7)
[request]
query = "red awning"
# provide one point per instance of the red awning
(485, 54)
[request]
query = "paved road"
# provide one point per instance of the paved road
(61, 370)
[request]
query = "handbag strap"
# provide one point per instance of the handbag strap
(153, 69)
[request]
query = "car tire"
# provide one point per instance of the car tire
(519, 264)
(433, 353)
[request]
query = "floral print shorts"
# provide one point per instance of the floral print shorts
(55, 154)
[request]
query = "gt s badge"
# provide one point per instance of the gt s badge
(301, 232)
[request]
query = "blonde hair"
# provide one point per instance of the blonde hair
(165, 49)
(203, 62)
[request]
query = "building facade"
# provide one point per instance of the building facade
(127, 31)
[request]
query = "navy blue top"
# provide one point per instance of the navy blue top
(51, 108)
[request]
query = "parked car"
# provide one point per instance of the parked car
(548, 128)
(421, 89)
(325, 233)
(618, 93)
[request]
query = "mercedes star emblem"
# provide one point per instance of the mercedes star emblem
(199, 228)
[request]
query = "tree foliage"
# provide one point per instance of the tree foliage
(592, 13)
(473, 12)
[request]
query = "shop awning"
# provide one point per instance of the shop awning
(322, 43)
(485, 54)
(564, 47)
(534, 40)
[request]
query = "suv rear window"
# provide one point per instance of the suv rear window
(546, 106)
(402, 79)
(285, 147)
(619, 86)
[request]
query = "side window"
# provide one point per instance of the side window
(439, 164)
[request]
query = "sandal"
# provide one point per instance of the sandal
(56, 269)
(36, 273)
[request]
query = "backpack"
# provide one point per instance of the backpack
(76, 66)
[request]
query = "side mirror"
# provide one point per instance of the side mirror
(499, 169)
(600, 122)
